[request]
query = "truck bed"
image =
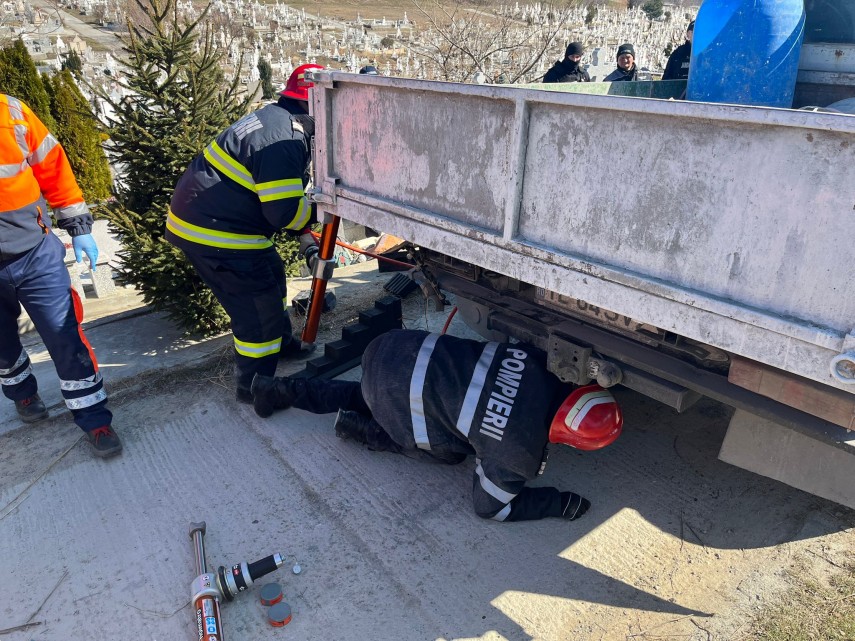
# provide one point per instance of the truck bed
(729, 225)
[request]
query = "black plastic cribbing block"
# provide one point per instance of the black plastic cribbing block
(300, 302)
(372, 317)
(327, 368)
(345, 354)
(383, 323)
(343, 350)
(401, 285)
(357, 333)
(320, 365)
(392, 304)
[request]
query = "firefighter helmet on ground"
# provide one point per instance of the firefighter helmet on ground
(588, 419)
(297, 86)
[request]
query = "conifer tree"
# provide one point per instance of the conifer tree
(653, 9)
(178, 102)
(77, 131)
(73, 62)
(20, 79)
(265, 73)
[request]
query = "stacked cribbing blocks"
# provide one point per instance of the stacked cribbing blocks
(342, 355)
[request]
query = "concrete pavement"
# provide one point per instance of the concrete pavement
(676, 545)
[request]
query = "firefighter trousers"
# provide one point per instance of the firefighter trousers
(39, 281)
(320, 396)
(251, 288)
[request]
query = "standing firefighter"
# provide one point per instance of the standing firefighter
(247, 185)
(441, 398)
(35, 169)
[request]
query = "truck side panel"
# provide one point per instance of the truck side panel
(728, 225)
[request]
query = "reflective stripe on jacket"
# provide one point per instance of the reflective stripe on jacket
(246, 185)
(443, 394)
(34, 168)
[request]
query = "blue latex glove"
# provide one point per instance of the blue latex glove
(85, 244)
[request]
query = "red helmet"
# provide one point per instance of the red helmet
(297, 86)
(588, 419)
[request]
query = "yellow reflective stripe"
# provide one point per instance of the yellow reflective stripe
(257, 350)
(301, 218)
(280, 183)
(215, 155)
(279, 189)
(213, 237)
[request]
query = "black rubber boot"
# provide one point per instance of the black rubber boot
(365, 430)
(31, 409)
(270, 394)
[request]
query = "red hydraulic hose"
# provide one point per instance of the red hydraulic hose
(391, 261)
(448, 320)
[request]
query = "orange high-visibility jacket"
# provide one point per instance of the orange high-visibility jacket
(34, 168)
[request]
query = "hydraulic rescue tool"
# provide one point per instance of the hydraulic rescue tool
(321, 272)
(209, 589)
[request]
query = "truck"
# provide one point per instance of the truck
(679, 249)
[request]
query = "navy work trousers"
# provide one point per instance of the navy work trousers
(326, 396)
(251, 288)
(39, 281)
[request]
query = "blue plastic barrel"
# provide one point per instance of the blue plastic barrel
(746, 52)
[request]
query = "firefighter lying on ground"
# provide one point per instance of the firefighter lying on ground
(441, 398)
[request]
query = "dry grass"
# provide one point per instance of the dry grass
(810, 612)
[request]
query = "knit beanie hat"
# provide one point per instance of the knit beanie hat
(574, 49)
(626, 48)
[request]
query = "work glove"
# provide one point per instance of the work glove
(85, 244)
(311, 255)
(308, 248)
(573, 506)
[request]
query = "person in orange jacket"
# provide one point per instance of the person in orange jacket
(34, 172)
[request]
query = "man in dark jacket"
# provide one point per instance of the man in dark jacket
(626, 70)
(441, 398)
(678, 62)
(247, 185)
(569, 69)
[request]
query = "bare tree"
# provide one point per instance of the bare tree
(464, 39)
